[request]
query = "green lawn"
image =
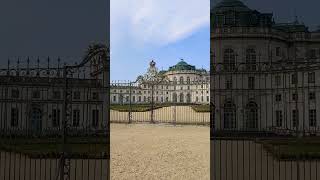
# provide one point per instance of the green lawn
(201, 108)
(288, 149)
(51, 147)
(135, 107)
(147, 107)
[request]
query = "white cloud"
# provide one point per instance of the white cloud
(157, 22)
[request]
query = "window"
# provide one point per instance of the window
(36, 94)
(251, 115)
(95, 95)
(133, 98)
(139, 98)
(251, 59)
(295, 117)
(188, 80)
(208, 98)
(175, 80)
(229, 60)
(312, 95)
(76, 95)
(229, 19)
(181, 80)
(127, 99)
(277, 51)
(15, 93)
(312, 118)
(294, 97)
(294, 79)
(56, 95)
(114, 98)
(251, 82)
(278, 118)
(278, 80)
(313, 54)
(202, 98)
(95, 117)
(311, 77)
(228, 82)
(220, 19)
(76, 118)
(55, 117)
(14, 117)
(229, 116)
(278, 97)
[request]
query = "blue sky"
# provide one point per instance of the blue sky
(164, 30)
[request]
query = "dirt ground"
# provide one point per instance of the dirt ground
(146, 151)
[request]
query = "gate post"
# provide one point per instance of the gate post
(152, 103)
(130, 104)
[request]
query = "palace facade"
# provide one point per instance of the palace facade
(181, 83)
(263, 73)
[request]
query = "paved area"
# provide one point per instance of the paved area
(147, 151)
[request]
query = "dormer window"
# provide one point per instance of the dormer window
(229, 19)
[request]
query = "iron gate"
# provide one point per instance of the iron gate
(265, 121)
(54, 118)
(164, 102)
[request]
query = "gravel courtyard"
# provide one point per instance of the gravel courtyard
(147, 151)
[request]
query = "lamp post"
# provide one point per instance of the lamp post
(152, 78)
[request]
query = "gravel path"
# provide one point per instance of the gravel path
(146, 151)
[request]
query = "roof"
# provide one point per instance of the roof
(291, 27)
(182, 65)
(230, 5)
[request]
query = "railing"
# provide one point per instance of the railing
(165, 102)
(54, 121)
(265, 122)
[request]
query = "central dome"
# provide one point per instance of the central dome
(182, 65)
(230, 5)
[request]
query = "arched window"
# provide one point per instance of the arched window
(181, 98)
(174, 97)
(121, 99)
(251, 121)
(188, 98)
(181, 80)
(229, 59)
(229, 115)
(251, 59)
(175, 80)
(188, 80)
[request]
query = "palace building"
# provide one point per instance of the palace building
(181, 83)
(263, 73)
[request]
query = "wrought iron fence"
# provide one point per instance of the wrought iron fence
(54, 118)
(265, 120)
(182, 102)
